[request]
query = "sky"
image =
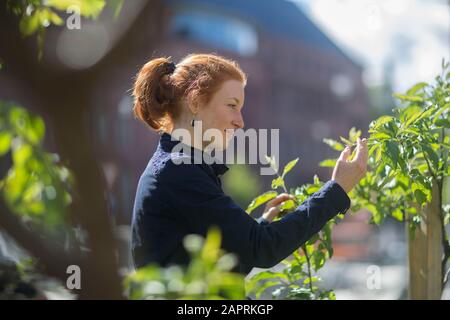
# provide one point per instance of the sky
(411, 35)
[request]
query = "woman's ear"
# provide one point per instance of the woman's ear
(193, 105)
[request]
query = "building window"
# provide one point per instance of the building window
(216, 30)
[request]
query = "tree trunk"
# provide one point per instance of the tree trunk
(425, 252)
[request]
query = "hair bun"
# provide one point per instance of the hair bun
(170, 68)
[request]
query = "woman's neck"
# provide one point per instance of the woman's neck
(191, 136)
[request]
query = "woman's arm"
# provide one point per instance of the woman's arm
(202, 203)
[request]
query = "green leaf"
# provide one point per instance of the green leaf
(40, 18)
(427, 113)
(37, 187)
(410, 114)
(312, 280)
(210, 251)
(269, 195)
(397, 214)
(408, 98)
(330, 295)
(328, 163)
(54, 18)
(288, 206)
(88, 8)
(318, 259)
(334, 144)
(312, 188)
(346, 141)
(354, 134)
(420, 196)
(5, 142)
(380, 121)
(440, 111)
(392, 151)
(411, 130)
(416, 88)
(265, 286)
(432, 155)
(29, 24)
(408, 111)
(380, 136)
(378, 154)
(22, 154)
(266, 275)
(300, 294)
(277, 182)
(421, 191)
(289, 167)
(256, 283)
(36, 130)
(443, 123)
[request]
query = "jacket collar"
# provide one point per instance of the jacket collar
(167, 142)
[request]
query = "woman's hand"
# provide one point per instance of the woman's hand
(348, 173)
(272, 209)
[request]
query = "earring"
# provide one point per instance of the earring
(193, 121)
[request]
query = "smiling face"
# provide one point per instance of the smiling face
(224, 112)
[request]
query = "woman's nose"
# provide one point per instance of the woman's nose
(239, 122)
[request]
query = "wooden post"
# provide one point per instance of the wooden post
(425, 252)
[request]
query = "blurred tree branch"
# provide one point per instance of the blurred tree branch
(65, 97)
(53, 261)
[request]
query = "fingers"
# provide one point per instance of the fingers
(273, 207)
(279, 199)
(361, 153)
(274, 211)
(345, 154)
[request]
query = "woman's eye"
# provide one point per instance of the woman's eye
(232, 105)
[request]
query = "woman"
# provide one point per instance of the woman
(175, 199)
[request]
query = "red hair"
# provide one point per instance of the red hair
(158, 92)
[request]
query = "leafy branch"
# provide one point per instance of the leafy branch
(297, 279)
(38, 15)
(408, 154)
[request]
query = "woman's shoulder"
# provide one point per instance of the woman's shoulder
(157, 162)
(172, 166)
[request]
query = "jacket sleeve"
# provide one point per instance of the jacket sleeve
(194, 194)
(262, 221)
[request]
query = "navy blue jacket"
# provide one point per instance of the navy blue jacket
(174, 200)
